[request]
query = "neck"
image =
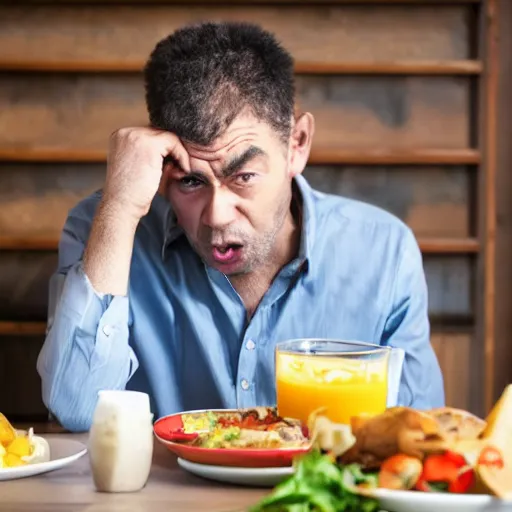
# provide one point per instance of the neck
(287, 244)
(252, 286)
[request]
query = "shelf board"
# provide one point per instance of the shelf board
(449, 245)
(22, 328)
(427, 245)
(8, 243)
(319, 156)
(361, 156)
(413, 67)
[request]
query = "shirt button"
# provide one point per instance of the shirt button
(250, 345)
(245, 384)
(107, 330)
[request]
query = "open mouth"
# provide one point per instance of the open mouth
(226, 253)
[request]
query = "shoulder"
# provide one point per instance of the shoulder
(363, 237)
(369, 223)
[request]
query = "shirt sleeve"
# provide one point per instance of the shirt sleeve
(408, 328)
(87, 342)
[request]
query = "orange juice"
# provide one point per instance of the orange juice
(346, 387)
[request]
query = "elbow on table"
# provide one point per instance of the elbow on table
(70, 419)
(70, 412)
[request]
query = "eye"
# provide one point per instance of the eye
(189, 182)
(244, 177)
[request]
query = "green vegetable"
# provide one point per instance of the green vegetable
(212, 419)
(438, 486)
(232, 434)
(319, 485)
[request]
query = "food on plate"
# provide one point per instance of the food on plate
(457, 424)
(318, 484)
(20, 447)
(334, 438)
(397, 430)
(259, 427)
(494, 463)
(400, 471)
(442, 450)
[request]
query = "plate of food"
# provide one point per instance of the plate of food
(23, 454)
(403, 460)
(245, 438)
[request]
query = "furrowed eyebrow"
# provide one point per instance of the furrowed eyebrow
(231, 167)
(240, 160)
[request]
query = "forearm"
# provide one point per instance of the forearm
(86, 349)
(407, 327)
(108, 253)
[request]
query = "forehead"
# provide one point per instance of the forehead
(244, 131)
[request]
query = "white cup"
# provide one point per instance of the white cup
(121, 441)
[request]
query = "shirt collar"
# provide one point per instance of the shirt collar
(303, 195)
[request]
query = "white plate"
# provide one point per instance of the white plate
(410, 501)
(62, 453)
(390, 501)
(254, 477)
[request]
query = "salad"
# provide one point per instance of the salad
(444, 450)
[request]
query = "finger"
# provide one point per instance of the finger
(164, 180)
(171, 145)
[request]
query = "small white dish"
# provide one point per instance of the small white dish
(62, 453)
(253, 477)
(410, 501)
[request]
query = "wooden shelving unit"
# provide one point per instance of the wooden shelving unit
(479, 68)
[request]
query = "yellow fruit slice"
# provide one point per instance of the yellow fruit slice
(7, 432)
(498, 434)
(11, 460)
(20, 447)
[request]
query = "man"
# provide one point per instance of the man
(206, 247)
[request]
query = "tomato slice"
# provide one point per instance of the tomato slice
(491, 457)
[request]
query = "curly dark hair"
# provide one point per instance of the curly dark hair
(202, 76)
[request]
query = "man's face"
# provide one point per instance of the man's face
(236, 198)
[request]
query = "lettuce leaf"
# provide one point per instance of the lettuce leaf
(319, 485)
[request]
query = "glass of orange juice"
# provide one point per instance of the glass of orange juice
(347, 378)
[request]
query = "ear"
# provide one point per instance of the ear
(300, 143)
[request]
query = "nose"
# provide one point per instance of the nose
(220, 211)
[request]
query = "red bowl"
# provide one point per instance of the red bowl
(169, 429)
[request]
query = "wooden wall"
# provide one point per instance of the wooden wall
(401, 92)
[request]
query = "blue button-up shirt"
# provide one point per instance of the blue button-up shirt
(182, 335)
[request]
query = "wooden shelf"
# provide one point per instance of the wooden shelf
(427, 245)
(456, 67)
(22, 328)
(319, 156)
(52, 155)
(449, 245)
(8, 243)
(327, 156)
